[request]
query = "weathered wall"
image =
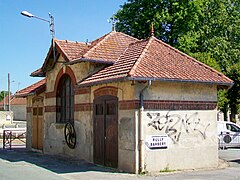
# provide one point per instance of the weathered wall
(6, 117)
(127, 153)
(19, 112)
(29, 123)
(192, 139)
(54, 132)
(178, 91)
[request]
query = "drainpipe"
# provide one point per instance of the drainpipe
(141, 129)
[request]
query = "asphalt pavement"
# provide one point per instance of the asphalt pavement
(22, 164)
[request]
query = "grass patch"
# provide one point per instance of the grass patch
(166, 170)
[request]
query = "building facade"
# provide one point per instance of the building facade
(134, 105)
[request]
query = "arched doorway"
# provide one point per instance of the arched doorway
(105, 129)
(37, 123)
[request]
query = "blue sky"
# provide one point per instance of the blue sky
(25, 41)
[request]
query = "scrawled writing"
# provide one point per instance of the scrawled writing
(175, 124)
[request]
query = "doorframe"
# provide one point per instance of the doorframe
(104, 98)
(37, 98)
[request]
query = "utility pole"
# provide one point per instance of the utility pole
(9, 106)
(4, 101)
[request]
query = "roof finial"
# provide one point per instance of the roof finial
(152, 30)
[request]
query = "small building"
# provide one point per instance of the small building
(135, 105)
(18, 107)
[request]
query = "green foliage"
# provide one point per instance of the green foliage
(234, 93)
(223, 102)
(172, 18)
(2, 94)
(208, 30)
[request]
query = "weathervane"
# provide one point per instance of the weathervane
(113, 20)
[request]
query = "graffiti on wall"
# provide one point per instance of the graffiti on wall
(175, 124)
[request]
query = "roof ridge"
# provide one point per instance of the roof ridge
(137, 40)
(32, 85)
(127, 35)
(189, 57)
(99, 43)
(134, 67)
(69, 41)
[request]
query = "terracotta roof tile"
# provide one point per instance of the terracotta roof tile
(34, 88)
(72, 50)
(122, 67)
(154, 59)
(6, 100)
(14, 101)
(109, 47)
(161, 61)
(134, 59)
(19, 101)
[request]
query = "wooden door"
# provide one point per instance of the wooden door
(37, 123)
(105, 127)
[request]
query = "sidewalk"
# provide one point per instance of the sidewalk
(22, 164)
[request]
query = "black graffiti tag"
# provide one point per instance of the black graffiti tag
(174, 124)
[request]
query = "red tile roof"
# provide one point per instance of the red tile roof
(121, 68)
(155, 60)
(110, 47)
(5, 100)
(105, 49)
(19, 101)
(130, 59)
(14, 101)
(72, 50)
(35, 88)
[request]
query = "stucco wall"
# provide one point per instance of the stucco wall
(178, 91)
(83, 123)
(191, 136)
(127, 153)
(19, 112)
(29, 123)
(54, 132)
(6, 117)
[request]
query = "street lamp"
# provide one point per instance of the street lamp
(51, 24)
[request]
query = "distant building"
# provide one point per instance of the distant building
(18, 106)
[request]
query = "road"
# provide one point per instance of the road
(22, 165)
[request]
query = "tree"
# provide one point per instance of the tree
(208, 30)
(3, 94)
(234, 93)
(171, 18)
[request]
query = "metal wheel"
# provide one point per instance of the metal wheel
(70, 135)
(227, 139)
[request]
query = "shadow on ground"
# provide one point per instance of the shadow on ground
(235, 161)
(52, 163)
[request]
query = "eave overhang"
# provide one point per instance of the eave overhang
(219, 84)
